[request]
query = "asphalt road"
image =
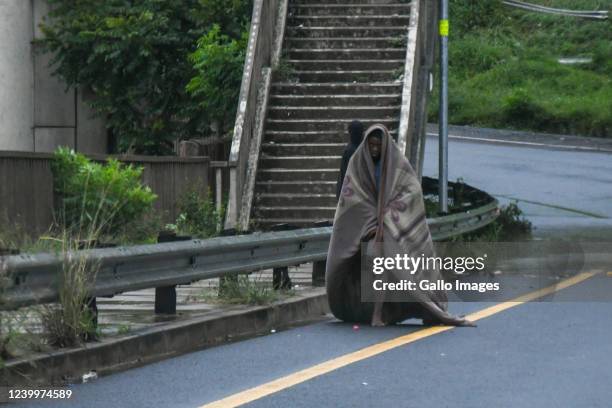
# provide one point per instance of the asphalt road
(562, 192)
(536, 354)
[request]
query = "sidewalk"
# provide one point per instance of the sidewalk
(133, 335)
(134, 311)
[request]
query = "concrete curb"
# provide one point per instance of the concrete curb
(169, 340)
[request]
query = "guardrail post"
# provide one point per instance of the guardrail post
(318, 273)
(280, 278)
(92, 306)
(165, 296)
(165, 300)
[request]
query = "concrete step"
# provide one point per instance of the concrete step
(384, 30)
(319, 213)
(331, 152)
(265, 224)
(280, 174)
(376, 20)
(348, 76)
(346, 53)
(345, 65)
(335, 100)
(326, 124)
(340, 88)
(287, 200)
(296, 187)
(306, 137)
(343, 42)
(301, 137)
(352, 9)
(333, 112)
(347, 57)
(300, 162)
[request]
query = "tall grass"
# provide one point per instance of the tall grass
(71, 320)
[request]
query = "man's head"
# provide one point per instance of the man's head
(375, 143)
(356, 132)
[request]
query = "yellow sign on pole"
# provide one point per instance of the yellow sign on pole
(444, 28)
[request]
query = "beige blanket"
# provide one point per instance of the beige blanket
(397, 212)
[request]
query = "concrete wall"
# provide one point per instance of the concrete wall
(16, 76)
(37, 112)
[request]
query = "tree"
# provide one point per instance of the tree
(134, 55)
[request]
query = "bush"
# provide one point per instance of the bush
(198, 215)
(98, 199)
(510, 225)
(134, 56)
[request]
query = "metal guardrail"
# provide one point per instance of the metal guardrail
(594, 14)
(33, 279)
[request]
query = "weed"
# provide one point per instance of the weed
(198, 216)
(284, 71)
(510, 225)
(243, 289)
(124, 329)
(71, 321)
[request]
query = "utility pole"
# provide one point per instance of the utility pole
(443, 120)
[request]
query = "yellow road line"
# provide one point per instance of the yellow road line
(301, 376)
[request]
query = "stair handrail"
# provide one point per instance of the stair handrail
(267, 24)
(420, 45)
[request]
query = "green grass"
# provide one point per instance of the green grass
(242, 290)
(504, 69)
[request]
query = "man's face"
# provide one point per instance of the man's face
(374, 144)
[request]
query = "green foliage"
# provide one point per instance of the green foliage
(98, 198)
(71, 321)
(285, 71)
(218, 61)
(510, 225)
(231, 15)
(504, 69)
(470, 15)
(198, 215)
(143, 230)
(242, 289)
(134, 56)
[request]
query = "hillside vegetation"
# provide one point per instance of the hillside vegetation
(504, 69)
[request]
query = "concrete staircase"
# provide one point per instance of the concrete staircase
(343, 60)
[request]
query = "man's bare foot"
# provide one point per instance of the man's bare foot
(377, 323)
(468, 323)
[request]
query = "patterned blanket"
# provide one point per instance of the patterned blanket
(397, 214)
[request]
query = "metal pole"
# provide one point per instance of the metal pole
(443, 120)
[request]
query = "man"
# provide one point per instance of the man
(355, 138)
(381, 204)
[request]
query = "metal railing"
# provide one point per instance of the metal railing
(33, 279)
(593, 14)
(265, 39)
